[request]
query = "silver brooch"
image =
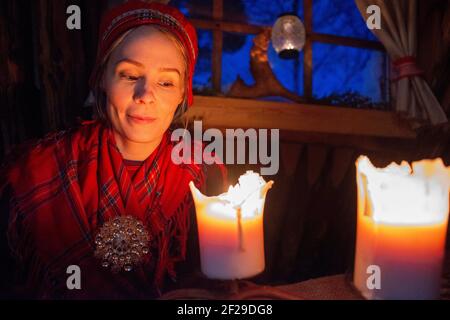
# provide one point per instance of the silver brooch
(122, 243)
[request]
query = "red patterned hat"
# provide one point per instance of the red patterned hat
(136, 13)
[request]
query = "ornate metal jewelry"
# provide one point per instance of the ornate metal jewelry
(122, 243)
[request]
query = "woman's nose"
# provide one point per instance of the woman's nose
(144, 92)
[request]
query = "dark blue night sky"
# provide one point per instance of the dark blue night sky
(336, 69)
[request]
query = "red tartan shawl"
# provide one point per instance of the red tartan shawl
(68, 185)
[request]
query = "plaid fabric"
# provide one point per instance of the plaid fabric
(132, 167)
(68, 185)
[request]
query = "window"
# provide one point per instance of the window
(342, 62)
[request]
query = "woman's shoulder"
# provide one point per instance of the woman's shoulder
(37, 157)
(82, 135)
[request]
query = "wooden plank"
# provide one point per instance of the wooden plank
(218, 112)
(345, 41)
(289, 155)
(362, 143)
(237, 27)
(316, 156)
(217, 47)
(226, 26)
(307, 51)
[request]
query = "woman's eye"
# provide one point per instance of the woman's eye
(166, 83)
(128, 77)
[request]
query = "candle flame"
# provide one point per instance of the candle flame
(248, 195)
(399, 194)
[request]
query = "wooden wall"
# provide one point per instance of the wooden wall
(44, 66)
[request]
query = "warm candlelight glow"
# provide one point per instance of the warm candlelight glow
(400, 195)
(230, 228)
(402, 224)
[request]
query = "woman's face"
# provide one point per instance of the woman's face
(144, 84)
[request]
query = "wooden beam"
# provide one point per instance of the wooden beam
(217, 47)
(317, 37)
(218, 112)
(345, 41)
(307, 51)
(362, 143)
(226, 26)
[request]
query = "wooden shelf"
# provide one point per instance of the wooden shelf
(221, 112)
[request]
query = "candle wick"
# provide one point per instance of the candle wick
(240, 233)
(239, 218)
(248, 196)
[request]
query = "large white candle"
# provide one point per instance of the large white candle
(230, 229)
(401, 229)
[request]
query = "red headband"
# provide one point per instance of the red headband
(136, 13)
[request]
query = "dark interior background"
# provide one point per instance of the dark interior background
(310, 212)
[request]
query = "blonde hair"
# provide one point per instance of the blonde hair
(100, 97)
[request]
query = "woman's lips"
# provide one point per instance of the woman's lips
(141, 119)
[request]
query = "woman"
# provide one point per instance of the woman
(106, 196)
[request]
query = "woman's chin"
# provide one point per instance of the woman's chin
(145, 136)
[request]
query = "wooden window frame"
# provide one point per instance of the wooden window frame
(312, 118)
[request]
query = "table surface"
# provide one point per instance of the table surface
(335, 287)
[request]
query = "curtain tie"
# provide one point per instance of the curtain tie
(405, 67)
